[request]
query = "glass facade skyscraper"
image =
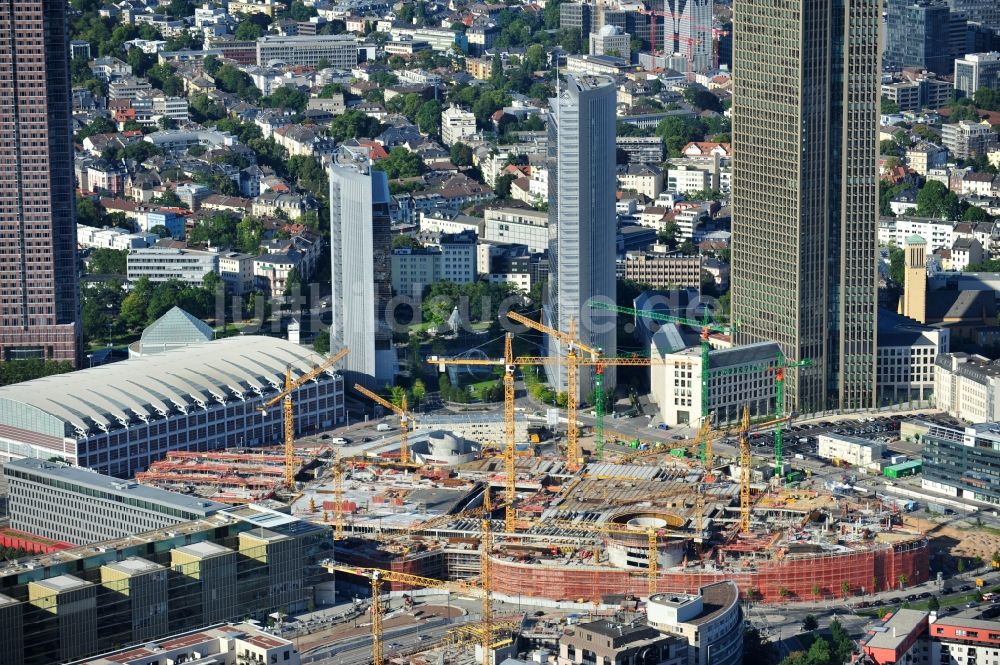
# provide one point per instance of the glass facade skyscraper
(923, 34)
(38, 277)
(582, 220)
(805, 143)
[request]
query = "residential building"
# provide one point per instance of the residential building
(237, 272)
(273, 270)
(267, 7)
(965, 140)
(360, 243)
(581, 164)
(414, 269)
(92, 507)
(977, 70)
(661, 269)
(793, 210)
(521, 271)
(112, 238)
(711, 621)
(641, 148)
(457, 124)
(928, 638)
(611, 40)
(645, 179)
(128, 87)
(607, 641)
(925, 156)
(140, 592)
(39, 319)
(688, 32)
(964, 462)
(686, 179)
(936, 233)
(458, 257)
(163, 402)
(233, 644)
(341, 51)
(862, 453)
(922, 34)
(739, 376)
(523, 226)
(964, 252)
(907, 355)
(161, 264)
(965, 386)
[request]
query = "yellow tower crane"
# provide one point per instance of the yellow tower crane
(286, 395)
(572, 362)
(508, 362)
(404, 419)
(338, 496)
(745, 462)
(379, 576)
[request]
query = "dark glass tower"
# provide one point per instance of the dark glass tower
(805, 250)
(38, 275)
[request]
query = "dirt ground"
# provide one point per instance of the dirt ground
(957, 538)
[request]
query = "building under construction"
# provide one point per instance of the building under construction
(235, 476)
(593, 534)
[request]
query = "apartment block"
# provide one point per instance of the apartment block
(341, 51)
(456, 125)
(965, 140)
(523, 226)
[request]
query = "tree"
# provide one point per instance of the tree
(502, 189)
(88, 213)
(702, 98)
(105, 261)
(960, 566)
(133, 309)
(897, 267)
(160, 230)
(287, 97)
(461, 154)
(405, 242)
(17, 371)
(902, 580)
(248, 31)
(757, 650)
(935, 200)
(354, 124)
(293, 281)
(331, 89)
(810, 623)
(845, 588)
(976, 215)
(321, 343)
(933, 604)
(816, 589)
(987, 98)
(889, 107)
(401, 163)
(677, 132)
(428, 118)
(99, 125)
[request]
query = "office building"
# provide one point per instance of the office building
(810, 215)
(233, 644)
(977, 70)
(608, 641)
(737, 377)
(414, 270)
(39, 282)
(923, 34)
(641, 148)
(661, 269)
(966, 140)
(457, 124)
(360, 242)
(575, 16)
(963, 462)
(855, 451)
(711, 621)
(688, 32)
(611, 40)
(968, 387)
(523, 226)
(141, 591)
(91, 506)
(907, 353)
(582, 220)
(929, 638)
(341, 51)
(161, 264)
(118, 418)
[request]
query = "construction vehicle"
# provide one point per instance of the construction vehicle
(379, 576)
(404, 419)
(286, 395)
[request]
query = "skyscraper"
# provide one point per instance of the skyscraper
(360, 241)
(38, 277)
(805, 142)
(924, 34)
(687, 30)
(582, 222)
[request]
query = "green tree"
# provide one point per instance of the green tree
(103, 261)
(287, 97)
(461, 154)
(976, 215)
(99, 125)
(293, 282)
(248, 31)
(897, 267)
(354, 124)
(810, 623)
(331, 89)
(88, 213)
(677, 131)
(987, 98)
(935, 200)
(17, 371)
(502, 189)
(845, 588)
(321, 343)
(405, 242)
(816, 589)
(757, 650)
(933, 604)
(702, 98)
(401, 163)
(133, 309)
(889, 107)
(160, 230)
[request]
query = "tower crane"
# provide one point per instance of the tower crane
(379, 576)
(745, 462)
(338, 496)
(404, 419)
(508, 362)
(572, 444)
(779, 406)
(286, 395)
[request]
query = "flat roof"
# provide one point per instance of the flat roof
(62, 583)
(894, 632)
(134, 566)
(204, 550)
(114, 486)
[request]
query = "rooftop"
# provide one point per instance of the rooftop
(62, 583)
(893, 633)
(204, 550)
(85, 478)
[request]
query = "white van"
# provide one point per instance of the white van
(384, 427)
(338, 441)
